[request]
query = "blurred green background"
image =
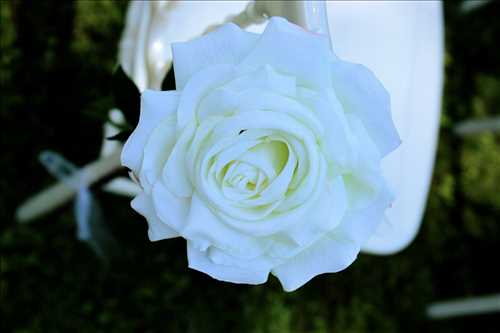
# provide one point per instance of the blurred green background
(56, 59)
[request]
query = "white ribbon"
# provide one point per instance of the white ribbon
(91, 227)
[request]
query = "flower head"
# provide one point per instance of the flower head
(267, 156)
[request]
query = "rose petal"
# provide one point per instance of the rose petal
(157, 229)
(204, 228)
(156, 151)
(218, 102)
(220, 257)
(225, 100)
(199, 86)
(367, 156)
(361, 93)
(360, 224)
(175, 173)
(329, 255)
(323, 216)
(155, 106)
(265, 78)
(256, 98)
(171, 209)
(337, 137)
(278, 186)
(226, 45)
(294, 51)
(199, 260)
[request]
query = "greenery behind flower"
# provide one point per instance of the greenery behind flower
(56, 60)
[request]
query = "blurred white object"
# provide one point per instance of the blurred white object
(476, 126)
(62, 192)
(91, 227)
(468, 6)
(464, 307)
(151, 26)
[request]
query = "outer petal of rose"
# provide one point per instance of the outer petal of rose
(319, 220)
(266, 78)
(175, 172)
(156, 151)
(226, 45)
(158, 230)
(201, 83)
(360, 92)
(171, 209)
(294, 51)
(155, 105)
(338, 249)
(368, 155)
(364, 180)
(360, 224)
(329, 255)
(226, 98)
(260, 263)
(256, 98)
(324, 215)
(204, 228)
(200, 261)
(337, 136)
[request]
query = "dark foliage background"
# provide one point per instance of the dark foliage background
(56, 59)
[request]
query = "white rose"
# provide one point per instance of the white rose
(267, 156)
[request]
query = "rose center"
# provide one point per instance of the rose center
(252, 172)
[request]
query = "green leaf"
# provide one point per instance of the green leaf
(127, 96)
